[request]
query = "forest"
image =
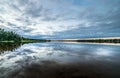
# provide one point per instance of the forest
(9, 36)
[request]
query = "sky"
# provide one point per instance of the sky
(61, 19)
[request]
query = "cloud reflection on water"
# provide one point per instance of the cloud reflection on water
(55, 55)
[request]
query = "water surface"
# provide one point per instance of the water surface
(59, 60)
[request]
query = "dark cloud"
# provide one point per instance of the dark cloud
(34, 11)
(1, 21)
(11, 24)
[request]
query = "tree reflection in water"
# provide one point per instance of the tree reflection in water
(9, 46)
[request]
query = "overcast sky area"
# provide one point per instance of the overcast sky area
(55, 19)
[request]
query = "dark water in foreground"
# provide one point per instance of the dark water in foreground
(59, 60)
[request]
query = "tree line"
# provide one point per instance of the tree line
(9, 36)
(101, 41)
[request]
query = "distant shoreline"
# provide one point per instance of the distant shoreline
(91, 40)
(82, 40)
(24, 41)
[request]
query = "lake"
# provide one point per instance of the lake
(59, 60)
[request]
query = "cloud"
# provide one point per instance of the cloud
(53, 18)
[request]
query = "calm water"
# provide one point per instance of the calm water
(59, 60)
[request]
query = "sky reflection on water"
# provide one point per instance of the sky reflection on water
(84, 60)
